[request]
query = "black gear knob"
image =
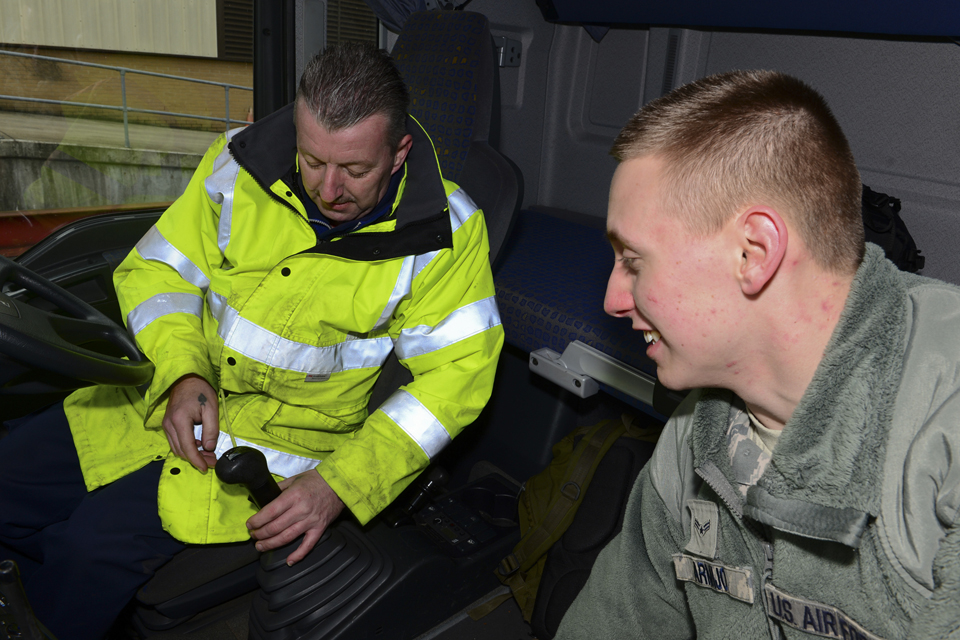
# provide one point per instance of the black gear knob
(248, 466)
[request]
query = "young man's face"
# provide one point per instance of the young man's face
(676, 288)
(347, 172)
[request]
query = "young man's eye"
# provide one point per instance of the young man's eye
(630, 264)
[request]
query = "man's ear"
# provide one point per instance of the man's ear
(763, 238)
(401, 154)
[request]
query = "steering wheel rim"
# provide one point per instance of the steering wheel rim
(36, 339)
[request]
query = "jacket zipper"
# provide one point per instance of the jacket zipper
(767, 575)
(712, 476)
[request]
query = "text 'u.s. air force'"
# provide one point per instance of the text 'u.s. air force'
(812, 617)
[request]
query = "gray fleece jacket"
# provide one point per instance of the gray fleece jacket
(852, 529)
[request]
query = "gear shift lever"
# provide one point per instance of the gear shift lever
(248, 466)
(16, 616)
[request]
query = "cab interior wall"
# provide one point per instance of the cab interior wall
(895, 97)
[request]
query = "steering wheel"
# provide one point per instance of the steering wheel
(45, 351)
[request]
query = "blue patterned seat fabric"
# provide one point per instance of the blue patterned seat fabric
(445, 78)
(551, 285)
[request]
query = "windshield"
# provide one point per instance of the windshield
(108, 107)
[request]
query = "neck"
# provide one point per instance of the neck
(791, 330)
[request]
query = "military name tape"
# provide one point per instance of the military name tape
(736, 582)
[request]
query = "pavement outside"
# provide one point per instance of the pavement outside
(54, 170)
(101, 133)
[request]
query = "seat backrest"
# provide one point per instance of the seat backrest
(447, 60)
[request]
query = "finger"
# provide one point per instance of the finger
(210, 417)
(188, 447)
(277, 526)
(310, 539)
(283, 538)
(170, 441)
(263, 518)
(172, 438)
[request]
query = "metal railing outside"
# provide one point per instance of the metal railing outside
(227, 120)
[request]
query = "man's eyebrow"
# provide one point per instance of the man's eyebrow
(355, 163)
(613, 237)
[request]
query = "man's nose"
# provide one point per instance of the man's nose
(332, 186)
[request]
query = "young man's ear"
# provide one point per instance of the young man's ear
(763, 237)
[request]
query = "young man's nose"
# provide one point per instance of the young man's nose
(618, 299)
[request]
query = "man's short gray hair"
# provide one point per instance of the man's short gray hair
(347, 83)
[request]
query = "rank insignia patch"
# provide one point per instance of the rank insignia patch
(704, 525)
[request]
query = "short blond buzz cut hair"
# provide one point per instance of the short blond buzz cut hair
(754, 137)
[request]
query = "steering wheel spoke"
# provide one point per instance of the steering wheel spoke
(67, 343)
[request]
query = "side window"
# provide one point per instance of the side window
(109, 106)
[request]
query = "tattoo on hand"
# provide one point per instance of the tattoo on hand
(203, 400)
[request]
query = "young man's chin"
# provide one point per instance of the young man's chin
(672, 379)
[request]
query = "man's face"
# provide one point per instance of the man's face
(676, 288)
(346, 172)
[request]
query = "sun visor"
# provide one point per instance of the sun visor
(938, 18)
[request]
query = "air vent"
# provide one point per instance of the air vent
(235, 30)
(350, 21)
(670, 68)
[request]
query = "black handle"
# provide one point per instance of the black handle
(248, 466)
(16, 616)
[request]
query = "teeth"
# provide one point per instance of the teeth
(651, 336)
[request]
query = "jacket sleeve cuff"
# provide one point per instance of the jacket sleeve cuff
(164, 378)
(354, 500)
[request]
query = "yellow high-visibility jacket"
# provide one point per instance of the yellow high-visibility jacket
(231, 284)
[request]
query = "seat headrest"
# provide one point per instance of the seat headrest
(446, 59)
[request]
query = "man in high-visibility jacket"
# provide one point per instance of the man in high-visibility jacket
(305, 249)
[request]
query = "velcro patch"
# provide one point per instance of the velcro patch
(736, 582)
(812, 617)
(704, 528)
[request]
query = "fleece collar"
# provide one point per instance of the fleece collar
(824, 479)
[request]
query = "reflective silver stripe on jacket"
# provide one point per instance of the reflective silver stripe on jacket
(220, 186)
(400, 291)
(461, 207)
(278, 462)
(160, 305)
(466, 321)
(271, 349)
(417, 422)
(153, 246)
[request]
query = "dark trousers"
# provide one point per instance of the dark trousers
(82, 555)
